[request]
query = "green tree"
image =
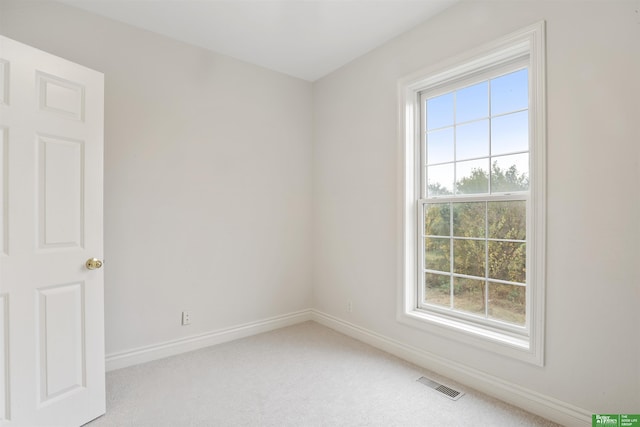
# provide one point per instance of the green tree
(506, 260)
(501, 180)
(438, 190)
(477, 182)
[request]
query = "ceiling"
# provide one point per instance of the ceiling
(302, 38)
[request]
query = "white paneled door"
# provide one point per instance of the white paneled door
(51, 301)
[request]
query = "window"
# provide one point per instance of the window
(475, 187)
(473, 212)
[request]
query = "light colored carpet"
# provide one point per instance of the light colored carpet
(303, 375)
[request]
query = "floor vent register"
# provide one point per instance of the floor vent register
(447, 391)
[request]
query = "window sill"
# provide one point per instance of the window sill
(502, 343)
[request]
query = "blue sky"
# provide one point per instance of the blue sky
(478, 126)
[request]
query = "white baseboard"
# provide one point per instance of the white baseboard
(194, 342)
(537, 403)
(529, 400)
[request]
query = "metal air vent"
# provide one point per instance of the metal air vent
(447, 391)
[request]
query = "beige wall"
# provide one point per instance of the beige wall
(593, 285)
(207, 178)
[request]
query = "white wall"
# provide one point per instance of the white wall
(207, 177)
(593, 285)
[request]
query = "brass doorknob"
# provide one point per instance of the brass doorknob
(93, 263)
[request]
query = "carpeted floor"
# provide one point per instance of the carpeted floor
(303, 375)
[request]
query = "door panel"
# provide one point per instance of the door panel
(4, 82)
(51, 194)
(60, 96)
(60, 192)
(4, 169)
(61, 340)
(4, 357)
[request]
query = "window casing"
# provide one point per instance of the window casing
(472, 258)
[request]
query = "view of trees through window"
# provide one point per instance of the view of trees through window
(475, 247)
(475, 209)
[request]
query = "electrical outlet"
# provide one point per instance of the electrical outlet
(350, 307)
(186, 318)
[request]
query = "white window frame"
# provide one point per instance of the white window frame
(526, 45)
